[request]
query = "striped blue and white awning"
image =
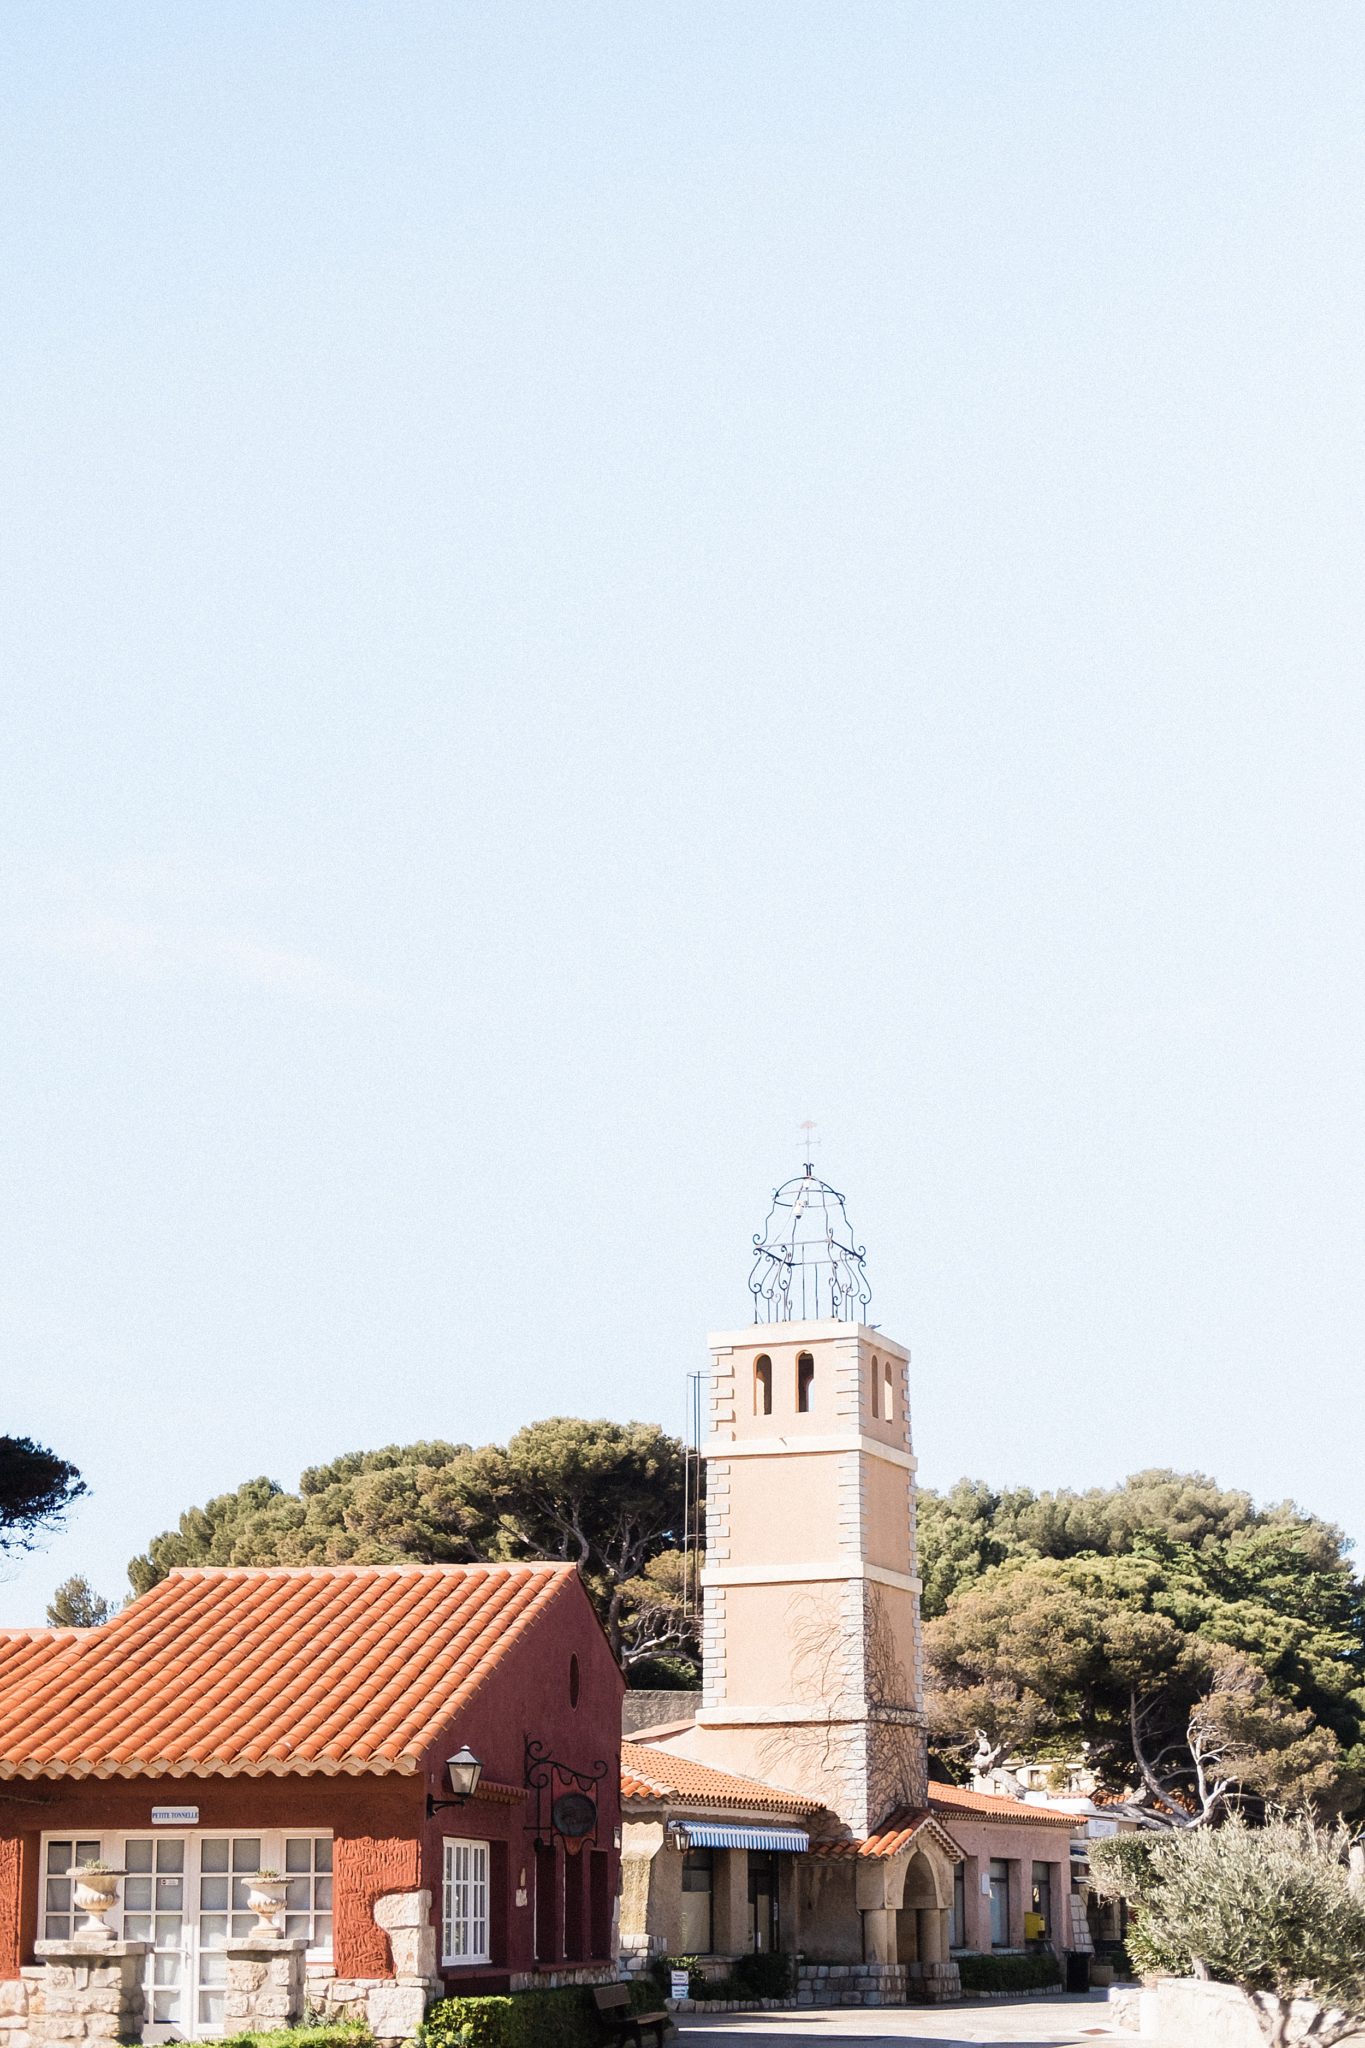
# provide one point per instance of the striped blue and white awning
(696, 1834)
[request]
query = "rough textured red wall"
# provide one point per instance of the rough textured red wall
(12, 1888)
(376, 1823)
(384, 1842)
(528, 1696)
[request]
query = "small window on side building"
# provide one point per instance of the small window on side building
(464, 1915)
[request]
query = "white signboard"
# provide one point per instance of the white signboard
(175, 1816)
(679, 1983)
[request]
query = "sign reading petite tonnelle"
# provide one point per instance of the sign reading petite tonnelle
(175, 1816)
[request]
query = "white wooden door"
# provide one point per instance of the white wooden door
(154, 1910)
(186, 1895)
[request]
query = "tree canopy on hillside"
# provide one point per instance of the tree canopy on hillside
(76, 1604)
(36, 1489)
(1195, 1646)
(606, 1496)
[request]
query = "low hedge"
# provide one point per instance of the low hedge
(566, 2018)
(751, 1976)
(1008, 1973)
(336, 2034)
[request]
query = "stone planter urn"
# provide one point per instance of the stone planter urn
(265, 1894)
(94, 1890)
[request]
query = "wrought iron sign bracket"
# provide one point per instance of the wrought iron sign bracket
(566, 1797)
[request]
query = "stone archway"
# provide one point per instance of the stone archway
(922, 1916)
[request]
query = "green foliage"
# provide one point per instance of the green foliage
(1270, 1909)
(521, 2019)
(332, 2034)
(76, 1604)
(1053, 1619)
(663, 1674)
(659, 1971)
(751, 1976)
(36, 1489)
(763, 1976)
(1124, 1866)
(606, 1495)
(1008, 1973)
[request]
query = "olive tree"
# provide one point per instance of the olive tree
(1275, 1910)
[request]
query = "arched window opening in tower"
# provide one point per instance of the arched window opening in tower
(876, 1387)
(805, 1380)
(890, 1407)
(763, 1385)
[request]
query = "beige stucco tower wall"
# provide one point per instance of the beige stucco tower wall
(810, 1638)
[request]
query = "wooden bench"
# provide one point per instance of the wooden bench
(613, 2010)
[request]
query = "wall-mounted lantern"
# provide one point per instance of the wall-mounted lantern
(463, 1772)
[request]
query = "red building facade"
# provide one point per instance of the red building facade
(232, 1723)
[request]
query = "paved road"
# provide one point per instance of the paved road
(1031, 2023)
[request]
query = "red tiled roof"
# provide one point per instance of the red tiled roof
(657, 1774)
(991, 1806)
(896, 1832)
(267, 1670)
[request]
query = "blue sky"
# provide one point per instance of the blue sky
(580, 585)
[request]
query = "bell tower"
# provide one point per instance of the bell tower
(810, 1635)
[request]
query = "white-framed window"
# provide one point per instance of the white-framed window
(308, 1890)
(184, 1893)
(60, 1853)
(464, 1906)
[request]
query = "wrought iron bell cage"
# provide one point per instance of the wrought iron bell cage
(807, 1267)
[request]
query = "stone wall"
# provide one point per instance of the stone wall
(657, 1709)
(392, 2007)
(851, 1984)
(264, 1984)
(1200, 2014)
(567, 1973)
(14, 1995)
(933, 1983)
(89, 1992)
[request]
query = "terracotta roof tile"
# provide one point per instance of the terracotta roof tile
(896, 1832)
(265, 1669)
(992, 1806)
(656, 1774)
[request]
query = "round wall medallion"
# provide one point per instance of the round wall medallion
(573, 1813)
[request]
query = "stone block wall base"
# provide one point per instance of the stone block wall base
(933, 1983)
(730, 2004)
(342, 1998)
(394, 2011)
(264, 1983)
(406, 1919)
(569, 1973)
(826, 1984)
(1200, 2014)
(393, 2008)
(85, 1991)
